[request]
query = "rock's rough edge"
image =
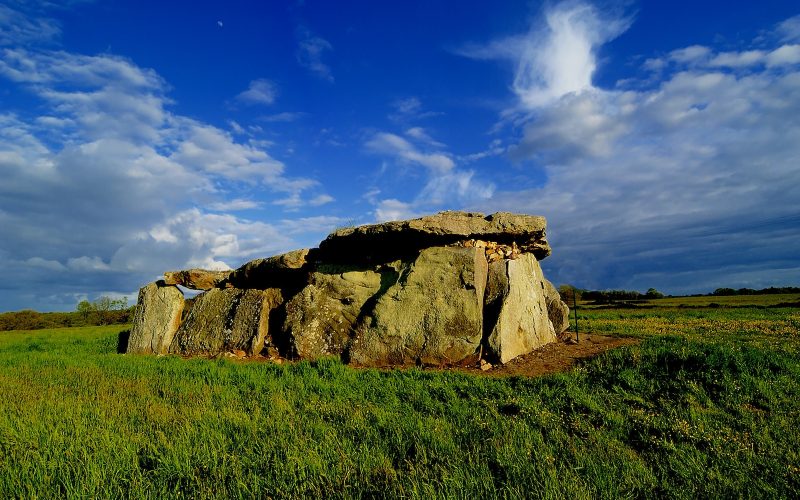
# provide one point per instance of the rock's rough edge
(391, 239)
(504, 237)
(151, 332)
(198, 279)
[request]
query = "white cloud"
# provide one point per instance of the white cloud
(445, 185)
(283, 117)
(87, 264)
(690, 55)
(193, 238)
(236, 128)
(697, 56)
(25, 66)
(421, 135)
(394, 145)
(738, 59)
(392, 209)
(496, 148)
(51, 265)
(692, 174)
(557, 57)
(235, 205)
(17, 28)
(441, 190)
(321, 224)
(322, 199)
(261, 91)
(310, 50)
(295, 202)
(209, 149)
(410, 108)
(789, 30)
(784, 55)
(104, 182)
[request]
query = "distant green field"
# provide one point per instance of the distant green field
(706, 301)
(707, 406)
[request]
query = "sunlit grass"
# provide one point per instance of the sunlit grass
(706, 406)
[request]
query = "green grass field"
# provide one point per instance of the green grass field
(731, 301)
(708, 405)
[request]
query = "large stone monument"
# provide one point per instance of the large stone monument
(447, 289)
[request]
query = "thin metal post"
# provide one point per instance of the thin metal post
(575, 308)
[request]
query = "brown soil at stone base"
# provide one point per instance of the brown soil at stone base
(553, 358)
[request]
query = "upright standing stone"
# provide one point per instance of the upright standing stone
(319, 319)
(432, 315)
(557, 310)
(522, 323)
(157, 318)
(225, 320)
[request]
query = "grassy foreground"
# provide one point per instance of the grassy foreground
(707, 406)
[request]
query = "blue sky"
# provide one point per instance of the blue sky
(660, 139)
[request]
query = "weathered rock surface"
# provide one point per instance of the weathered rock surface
(197, 279)
(522, 323)
(320, 318)
(157, 318)
(272, 272)
(557, 310)
(394, 239)
(227, 320)
(451, 288)
(432, 314)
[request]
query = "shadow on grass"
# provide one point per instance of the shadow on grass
(122, 341)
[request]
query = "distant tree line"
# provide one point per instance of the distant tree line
(610, 296)
(606, 296)
(103, 311)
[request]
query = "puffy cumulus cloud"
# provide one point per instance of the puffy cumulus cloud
(94, 96)
(261, 91)
(194, 238)
(65, 68)
(100, 189)
(209, 149)
(687, 185)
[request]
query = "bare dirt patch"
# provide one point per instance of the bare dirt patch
(555, 357)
